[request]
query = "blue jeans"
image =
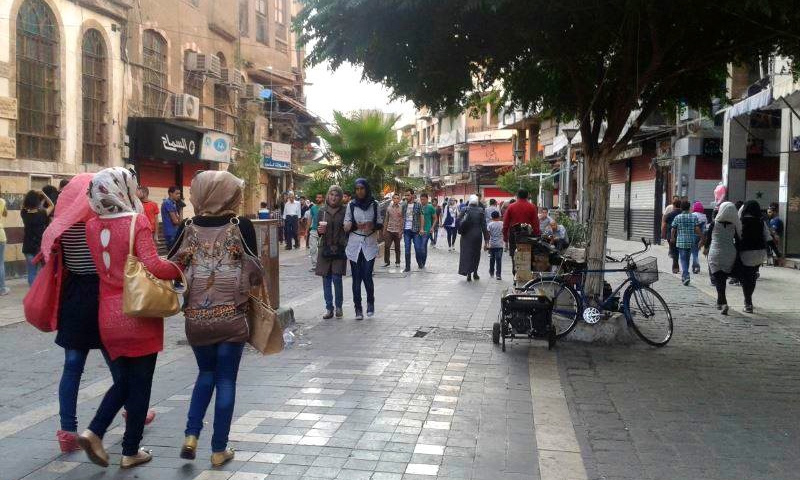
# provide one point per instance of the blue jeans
(74, 361)
(219, 366)
(133, 380)
(2, 266)
(33, 270)
(409, 238)
(362, 272)
(696, 253)
(495, 261)
(330, 284)
(685, 254)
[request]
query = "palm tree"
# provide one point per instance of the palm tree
(363, 145)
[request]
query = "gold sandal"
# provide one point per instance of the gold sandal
(219, 459)
(189, 449)
(142, 456)
(93, 446)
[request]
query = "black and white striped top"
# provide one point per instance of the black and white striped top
(77, 257)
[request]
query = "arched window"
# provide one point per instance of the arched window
(38, 82)
(154, 75)
(94, 75)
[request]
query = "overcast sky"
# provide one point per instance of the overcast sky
(343, 90)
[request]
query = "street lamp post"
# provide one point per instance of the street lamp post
(570, 134)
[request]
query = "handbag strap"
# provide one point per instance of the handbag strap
(132, 233)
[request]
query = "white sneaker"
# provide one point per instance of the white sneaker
(5, 291)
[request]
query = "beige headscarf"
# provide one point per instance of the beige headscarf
(216, 193)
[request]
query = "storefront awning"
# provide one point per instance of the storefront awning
(749, 104)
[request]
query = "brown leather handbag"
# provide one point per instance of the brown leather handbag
(143, 294)
(266, 332)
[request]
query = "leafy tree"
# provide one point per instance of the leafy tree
(365, 145)
(520, 177)
(609, 64)
(247, 166)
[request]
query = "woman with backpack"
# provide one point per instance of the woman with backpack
(721, 237)
(362, 221)
(752, 249)
(331, 257)
(217, 249)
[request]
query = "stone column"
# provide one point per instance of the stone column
(734, 157)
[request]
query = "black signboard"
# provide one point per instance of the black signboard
(712, 147)
(157, 139)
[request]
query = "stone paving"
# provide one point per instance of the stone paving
(420, 392)
(719, 402)
(417, 392)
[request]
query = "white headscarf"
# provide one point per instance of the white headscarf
(113, 192)
(727, 213)
(473, 200)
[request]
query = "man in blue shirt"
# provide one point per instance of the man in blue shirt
(776, 231)
(685, 231)
(171, 215)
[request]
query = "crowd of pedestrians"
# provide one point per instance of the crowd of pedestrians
(736, 240)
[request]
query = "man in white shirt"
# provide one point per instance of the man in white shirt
(291, 216)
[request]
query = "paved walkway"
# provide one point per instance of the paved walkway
(420, 392)
(719, 402)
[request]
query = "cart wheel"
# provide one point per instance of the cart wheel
(496, 333)
(503, 330)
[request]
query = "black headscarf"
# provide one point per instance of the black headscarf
(752, 227)
(366, 202)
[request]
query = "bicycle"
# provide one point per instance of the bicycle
(645, 310)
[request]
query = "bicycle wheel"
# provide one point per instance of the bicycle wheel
(566, 303)
(648, 315)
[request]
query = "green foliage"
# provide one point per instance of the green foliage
(519, 177)
(597, 62)
(247, 166)
(576, 231)
(365, 145)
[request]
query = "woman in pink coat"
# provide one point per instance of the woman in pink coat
(132, 343)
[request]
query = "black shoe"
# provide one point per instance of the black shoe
(499, 277)
(370, 310)
(339, 313)
(469, 277)
(491, 274)
(475, 276)
(406, 270)
(328, 315)
(719, 306)
(386, 265)
(695, 270)
(359, 314)
(748, 309)
(724, 309)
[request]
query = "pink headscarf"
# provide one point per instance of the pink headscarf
(72, 207)
(698, 207)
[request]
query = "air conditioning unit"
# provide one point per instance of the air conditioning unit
(252, 91)
(232, 78)
(687, 114)
(187, 107)
(205, 63)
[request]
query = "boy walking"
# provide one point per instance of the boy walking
(685, 231)
(495, 228)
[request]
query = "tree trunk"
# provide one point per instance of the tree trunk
(598, 190)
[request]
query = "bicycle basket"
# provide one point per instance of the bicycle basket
(646, 271)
